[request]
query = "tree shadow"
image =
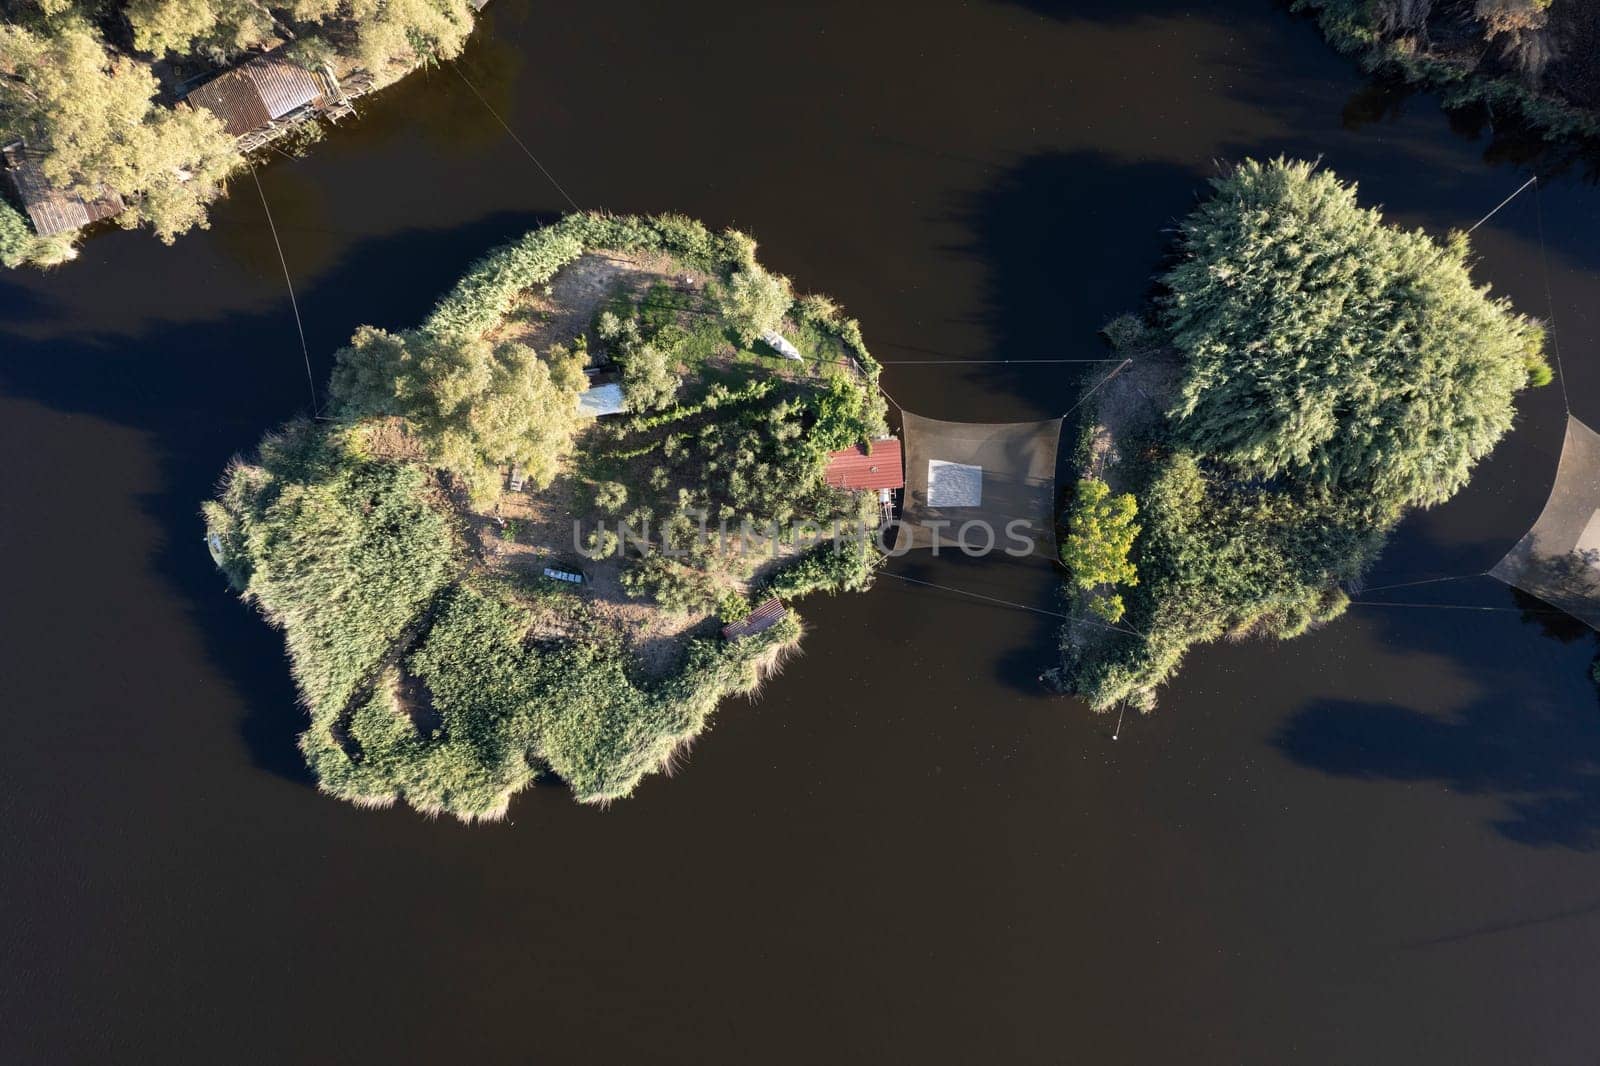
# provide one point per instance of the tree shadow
(1062, 259)
(1059, 263)
(1544, 772)
(1532, 742)
(196, 390)
(1022, 587)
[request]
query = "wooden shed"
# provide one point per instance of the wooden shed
(261, 96)
(53, 210)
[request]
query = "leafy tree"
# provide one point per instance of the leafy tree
(648, 380)
(1100, 535)
(219, 28)
(1217, 557)
(15, 237)
(1320, 344)
(19, 244)
(845, 415)
(406, 31)
(94, 117)
(475, 406)
(611, 496)
(755, 301)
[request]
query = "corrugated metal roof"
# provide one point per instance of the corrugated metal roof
(759, 620)
(253, 94)
(855, 468)
(53, 210)
(284, 86)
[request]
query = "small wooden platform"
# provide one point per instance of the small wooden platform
(761, 619)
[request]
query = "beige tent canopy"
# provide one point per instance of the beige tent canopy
(1000, 477)
(1559, 559)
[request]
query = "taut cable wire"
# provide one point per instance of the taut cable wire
(1531, 181)
(513, 134)
(294, 304)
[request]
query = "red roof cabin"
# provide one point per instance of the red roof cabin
(878, 465)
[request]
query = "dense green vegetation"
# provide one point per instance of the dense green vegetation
(1320, 344)
(476, 406)
(1100, 535)
(441, 668)
(1539, 59)
(1330, 372)
(92, 86)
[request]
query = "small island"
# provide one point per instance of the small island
(140, 111)
(549, 529)
(1307, 375)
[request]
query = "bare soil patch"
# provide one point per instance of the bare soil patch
(1127, 408)
(541, 524)
(580, 290)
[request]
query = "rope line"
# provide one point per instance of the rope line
(1502, 203)
(513, 134)
(1082, 399)
(1426, 581)
(891, 399)
(1012, 603)
(1550, 299)
(985, 362)
(1453, 607)
(294, 304)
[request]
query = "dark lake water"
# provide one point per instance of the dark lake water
(1374, 844)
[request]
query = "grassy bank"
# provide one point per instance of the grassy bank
(438, 664)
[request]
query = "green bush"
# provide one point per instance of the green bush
(845, 414)
(1100, 534)
(343, 555)
(754, 302)
(648, 382)
(611, 497)
(672, 585)
(847, 567)
(16, 238)
(1218, 557)
(1321, 344)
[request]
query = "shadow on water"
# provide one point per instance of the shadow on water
(165, 383)
(1058, 264)
(1106, 11)
(1533, 748)
(1061, 259)
(1025, 589)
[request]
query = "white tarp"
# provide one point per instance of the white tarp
(601, 400)
(954, 484)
